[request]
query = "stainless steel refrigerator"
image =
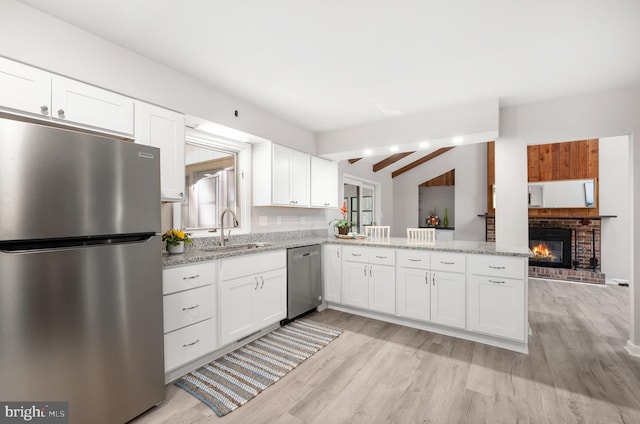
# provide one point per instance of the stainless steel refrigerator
(80, 272)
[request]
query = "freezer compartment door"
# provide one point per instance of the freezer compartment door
(84, 325)
(57, 183)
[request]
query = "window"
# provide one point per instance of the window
(214, 181)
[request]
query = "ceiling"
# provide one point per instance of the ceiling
(332, 64)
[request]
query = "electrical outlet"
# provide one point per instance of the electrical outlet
(262, 221)
(278, 220)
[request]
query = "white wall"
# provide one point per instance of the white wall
(437, 198)
(470, 163)
(477, 122)
(614, 200)
(596, 115)
(37, 39)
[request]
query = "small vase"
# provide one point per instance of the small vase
(344, 230)
(445, 221)
(179, 248)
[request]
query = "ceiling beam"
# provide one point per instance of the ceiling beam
(420, 161)
(354, 160)
(390, 160)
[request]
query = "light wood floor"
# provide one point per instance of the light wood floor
(577, 371)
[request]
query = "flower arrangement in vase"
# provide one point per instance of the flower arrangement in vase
(342, 224)
(175, 240)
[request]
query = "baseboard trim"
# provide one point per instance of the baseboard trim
(633, 350)
(513, 345)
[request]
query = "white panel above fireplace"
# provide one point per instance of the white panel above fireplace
(562, 194)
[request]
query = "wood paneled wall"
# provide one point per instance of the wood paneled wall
(446, 179)
(552, 162)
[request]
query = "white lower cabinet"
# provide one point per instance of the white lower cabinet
(368, 278)
(413, 285)
(413, 293)
(331, 273)
(382, 288)
(497, 296)
(190, 343)
(190, 313)
(496, 306)
(254, 301)
(448, 298)
(355, 284)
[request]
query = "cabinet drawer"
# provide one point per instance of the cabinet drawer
(186, 344)
(188, 277)
(414, 259)
(355, 254)
(190, 306)
(380, 256)
(451, 262)
(253, 264)
(498, 266)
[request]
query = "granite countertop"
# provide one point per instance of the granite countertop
(457, 246)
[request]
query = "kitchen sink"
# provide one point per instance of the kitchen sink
(232, 247)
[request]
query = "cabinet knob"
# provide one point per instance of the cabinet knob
(44, 110)
(181, 194)
(61, 113)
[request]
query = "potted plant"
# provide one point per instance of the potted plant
(175, 240)
(343, 225)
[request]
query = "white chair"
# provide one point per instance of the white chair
(421, 235)
(378, 232)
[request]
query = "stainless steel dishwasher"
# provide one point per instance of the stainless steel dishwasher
(304, 280)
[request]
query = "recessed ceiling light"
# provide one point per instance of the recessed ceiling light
(368, 152)
(457, 140)
(393, 148)
(423, 144)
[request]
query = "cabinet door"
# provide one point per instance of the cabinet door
(300, 178)
(332, 273)
(448, 298)
(497, 306)
(324, 183)
(73, 101)
(413, 293)
(238, 308)
(164, 129)
(281, 170)
(382, 288)
(272, 298)
(24, 89)
(355, 284)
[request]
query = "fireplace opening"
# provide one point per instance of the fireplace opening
(551, 247)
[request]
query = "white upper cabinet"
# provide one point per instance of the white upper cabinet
(33, 92)
(281, 176)
(24, 89)
(76, 102)
(164, 129)
(324, 183)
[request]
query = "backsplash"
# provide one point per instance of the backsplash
(207, 242)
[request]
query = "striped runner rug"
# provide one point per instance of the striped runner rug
(233, 380)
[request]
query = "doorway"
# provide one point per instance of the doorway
(360, 199)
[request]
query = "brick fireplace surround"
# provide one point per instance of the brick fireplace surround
(583, 228)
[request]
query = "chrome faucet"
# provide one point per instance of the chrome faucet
(235, 224)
